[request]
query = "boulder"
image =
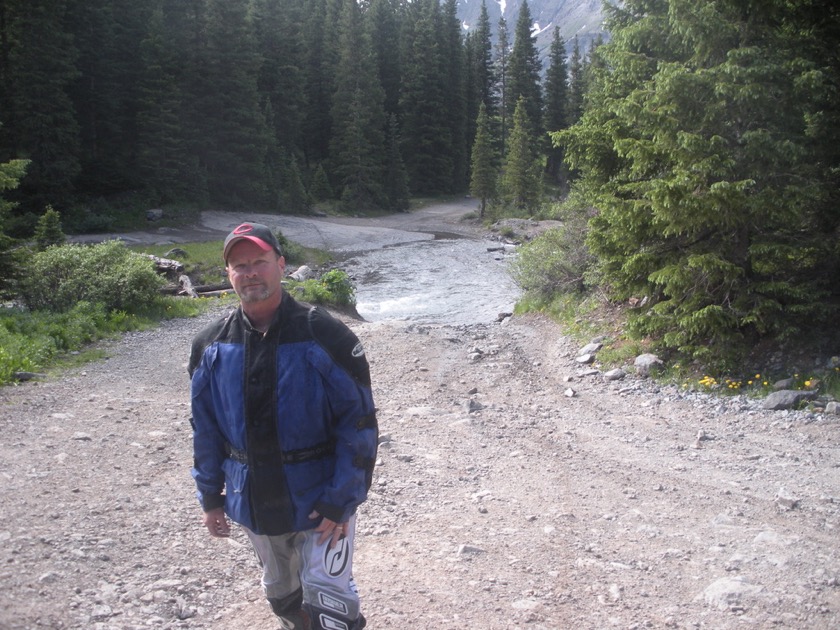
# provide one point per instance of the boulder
(786, 399)
(646, 364)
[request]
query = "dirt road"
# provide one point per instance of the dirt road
(500, 499)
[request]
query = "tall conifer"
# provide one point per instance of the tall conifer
(524, 71)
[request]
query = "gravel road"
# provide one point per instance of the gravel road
(513, 490)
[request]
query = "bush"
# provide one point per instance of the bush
(107, 274)
(556, 261)
(334, 287)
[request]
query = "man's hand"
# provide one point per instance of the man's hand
(216, 523)
(329, 529)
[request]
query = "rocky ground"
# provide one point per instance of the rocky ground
(515, 488)
(500, 499)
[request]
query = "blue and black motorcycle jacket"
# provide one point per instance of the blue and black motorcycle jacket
(283, 421)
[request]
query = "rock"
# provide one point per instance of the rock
(785, 500)
(302, 274)
(786, 383)
(615, 375)
(464, 549)
(591, 348)
(727, 593)
(645, 364)
(585, 359)
(833, 407)
(570, 393)
(155, 214)
(786, 399)
(176, 252)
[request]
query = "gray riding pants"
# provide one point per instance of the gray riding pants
(309, 585)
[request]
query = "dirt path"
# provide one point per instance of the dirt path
(512, 491)
(499, 501)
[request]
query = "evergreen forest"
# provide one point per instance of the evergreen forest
(693, 157)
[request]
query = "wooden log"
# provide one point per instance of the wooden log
(186, 286)
(166, 266)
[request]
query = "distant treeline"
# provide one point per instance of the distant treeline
(259, 103)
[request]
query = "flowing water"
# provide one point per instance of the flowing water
(442, 281)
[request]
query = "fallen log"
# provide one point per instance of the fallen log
(166, 266)
(186, 286)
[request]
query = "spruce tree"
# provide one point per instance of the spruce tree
(425, 128)
(480, 74)
(524, 71)
(164, 163)
(396, 178)
(577, 83)
(280, 80)
(357, 148)
(697, 146)
(454, 90)
(41, 122)
(11, 173)
(383, 24)
(235, 139)
(520, 181)
(556, 102)
(48, 230)
(484, 169)
(501, 73)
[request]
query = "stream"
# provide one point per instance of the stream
(442, 281)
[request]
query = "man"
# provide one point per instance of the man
(284, 436)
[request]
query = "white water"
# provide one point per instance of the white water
(452, 281)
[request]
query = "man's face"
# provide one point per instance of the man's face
(255, 274)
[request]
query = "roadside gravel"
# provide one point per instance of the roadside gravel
(501, 499)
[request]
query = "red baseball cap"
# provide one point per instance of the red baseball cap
(257, 233)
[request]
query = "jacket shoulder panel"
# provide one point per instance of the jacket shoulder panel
(340, 343)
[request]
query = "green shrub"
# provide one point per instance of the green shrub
(334, 287)
(556, 261)
(48, 230)
(107, 274)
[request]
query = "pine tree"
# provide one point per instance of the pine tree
(524, 72)
(484, 169)
(396, 177)
(480, 74)
(577, 83)
(501, 72)
(455, 92)
(383, 24)
(163, 161)
(556, 102)
(520, 182)
(280, 79)
(235, 139)
(48, 230)
(11, 173)
(697, 143)
(357, 147)
(41, 121)
(425, 128)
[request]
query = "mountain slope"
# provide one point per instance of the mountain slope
(574, 17)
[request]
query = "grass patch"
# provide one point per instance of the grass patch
(42, 341)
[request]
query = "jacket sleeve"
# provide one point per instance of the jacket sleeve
(208, 442)
(346, 378)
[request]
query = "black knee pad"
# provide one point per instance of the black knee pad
(285, 605)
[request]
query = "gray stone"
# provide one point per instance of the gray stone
(615, 375)
(727, 593)
(645, 364)
(155, 214)
(591, 348)
(585, 359)
(833, 407)
(302, 273)
(786, 383)
(786, 399)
